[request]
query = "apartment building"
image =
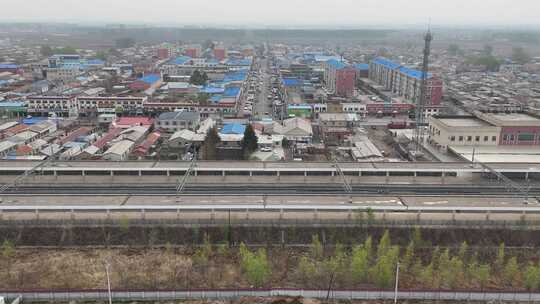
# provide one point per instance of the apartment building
(405, 82)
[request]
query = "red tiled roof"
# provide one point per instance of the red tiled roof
(73, 135)
(105, 139)
(24, 150)
(143, 148)
(133, 121)
(16, 129)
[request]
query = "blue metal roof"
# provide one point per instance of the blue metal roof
(9, 66)
(235, 76)
(338, 64)
(291, 82)
(387, 63)
(212, 90)
(33, 120)
(412, 73)
(95, 62)
(216, 98)
(231, 92)
(150, 79)
(395, 66)
(181, 60)
(233, 128)
(361, 66)
(10, 104)
(242, 62)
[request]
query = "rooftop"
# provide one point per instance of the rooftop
(180, 115)
(231, 92)
(396, 66)
(337, 64)
(233, 129)
(181, 60)
(150, 79)
(512, 119)
(464, 121)
(291, 82)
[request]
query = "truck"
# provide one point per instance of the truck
(397, 125)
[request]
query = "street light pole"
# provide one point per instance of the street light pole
(397, 283)
(107, 265)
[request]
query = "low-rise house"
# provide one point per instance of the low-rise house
(44, 127)
(145, 148)
(184, 138)
(23, 138)
(297, 130)
(7, 147)
(119, 151)
(176, 121)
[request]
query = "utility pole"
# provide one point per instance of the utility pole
(182, 182)
(397, 283)
(107, 265)
(421, 101)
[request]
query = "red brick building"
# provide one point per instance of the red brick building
(219, 53)
(345, 82)
(163, 53)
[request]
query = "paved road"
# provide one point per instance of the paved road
(270, 189)
(262, 104)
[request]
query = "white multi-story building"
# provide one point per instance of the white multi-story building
(60, 105)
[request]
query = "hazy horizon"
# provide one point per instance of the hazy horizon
(278, 13)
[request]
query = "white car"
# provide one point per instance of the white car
(266, 149)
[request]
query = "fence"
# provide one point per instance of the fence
(92, 295)
(260, 222)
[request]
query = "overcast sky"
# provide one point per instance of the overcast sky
(276, 12)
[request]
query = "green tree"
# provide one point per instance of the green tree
(210, 144)
(102, 55)
(483, 275)
(250, 141)
(520, 56)
(531, 277)
(255, 266)
(46, 51)
(500, 260)
(307, 270)
(511, 273)
(453, 49)
(335, 265)
(360, 264)
(384, 244)
(445, 269)
(417, 238)
(68, 50)
(124, 43)
(202, 98)
(316, 249)
(208, 44)
(408, 257)
(8, 249)
(368, 246)
(490, 62)
(383, 272)
(463, 249)
(458, 274)
(124, 224)
(203, 253)
(488, 50)
(198, 78)
(426, 276)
